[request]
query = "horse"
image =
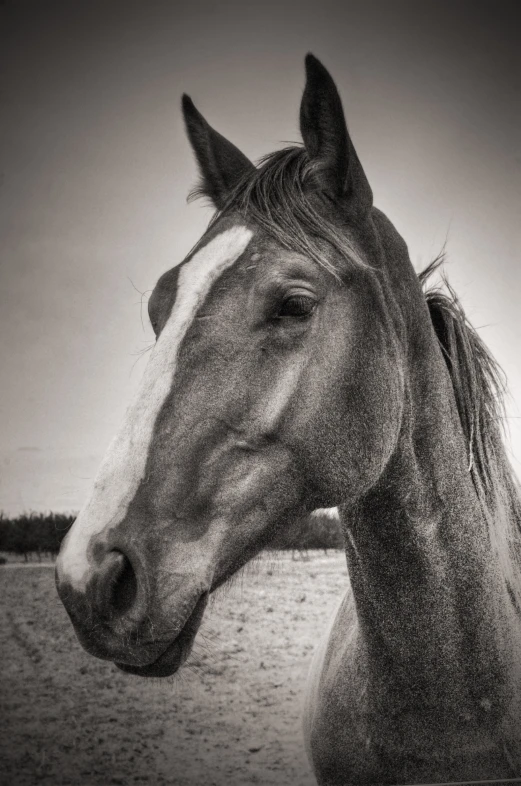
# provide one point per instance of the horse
(301, 363)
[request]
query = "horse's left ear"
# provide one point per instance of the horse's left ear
(338, 170)
(222, 165)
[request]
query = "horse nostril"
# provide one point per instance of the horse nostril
(124, 590)
(117, 585)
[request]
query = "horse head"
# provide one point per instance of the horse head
(276, 386)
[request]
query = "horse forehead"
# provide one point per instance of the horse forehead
(124, 466)
(197, 274)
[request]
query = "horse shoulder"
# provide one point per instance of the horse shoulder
(335, 735)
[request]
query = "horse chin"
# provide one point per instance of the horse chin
(176, 653)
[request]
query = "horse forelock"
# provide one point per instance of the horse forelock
(276, 198)
(125, 462)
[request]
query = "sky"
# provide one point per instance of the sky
(95, 170)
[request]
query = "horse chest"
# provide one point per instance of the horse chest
(351, 738)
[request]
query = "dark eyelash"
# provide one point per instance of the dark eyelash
(297, 306)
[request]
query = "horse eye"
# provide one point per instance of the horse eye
(297, 306)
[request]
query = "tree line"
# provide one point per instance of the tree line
(33, 535)
(37, 535)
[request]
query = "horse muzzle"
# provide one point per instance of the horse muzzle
(116, 617)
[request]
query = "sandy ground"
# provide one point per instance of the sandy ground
(231, 716)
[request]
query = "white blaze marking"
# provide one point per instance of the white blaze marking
(330, 513)
(123, 467)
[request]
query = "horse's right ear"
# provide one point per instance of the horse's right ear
(221, 164)
(338, 171)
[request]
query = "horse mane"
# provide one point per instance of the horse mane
(277, 197)
(479, 388)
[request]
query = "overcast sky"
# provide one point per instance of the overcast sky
(95, 171)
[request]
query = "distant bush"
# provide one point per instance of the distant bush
(320, 530)
(33, 535)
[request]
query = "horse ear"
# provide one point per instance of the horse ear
(324, 131)
(222, 165)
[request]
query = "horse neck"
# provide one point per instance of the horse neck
(432, 604)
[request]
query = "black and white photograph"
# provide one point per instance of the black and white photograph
(260, 400)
